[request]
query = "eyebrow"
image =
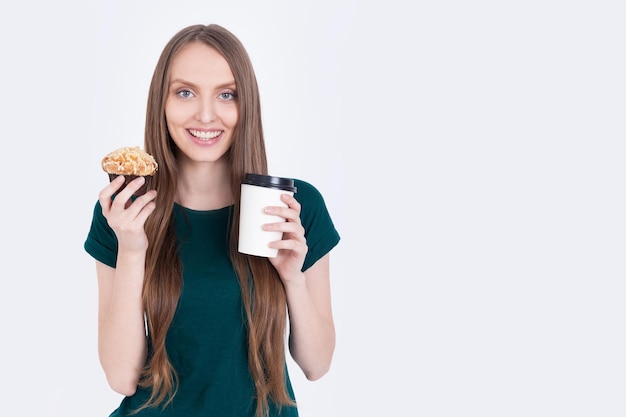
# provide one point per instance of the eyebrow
(229, 84)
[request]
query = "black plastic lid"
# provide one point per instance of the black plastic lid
(279, 183)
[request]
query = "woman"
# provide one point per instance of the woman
(187, 325)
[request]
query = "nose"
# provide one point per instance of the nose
(206, 111)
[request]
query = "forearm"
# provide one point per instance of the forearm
(312, 332)
(122, 336)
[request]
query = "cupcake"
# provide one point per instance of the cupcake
(131, 162)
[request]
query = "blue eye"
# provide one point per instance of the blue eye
(228, 96)
(184, 93)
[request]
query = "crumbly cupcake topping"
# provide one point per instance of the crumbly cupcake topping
(129, 161)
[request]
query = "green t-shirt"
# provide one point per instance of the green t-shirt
(207, 340)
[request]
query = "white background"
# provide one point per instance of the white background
(471, 153)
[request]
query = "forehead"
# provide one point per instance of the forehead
(197, 61)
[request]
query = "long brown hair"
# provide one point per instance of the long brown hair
(263, 294)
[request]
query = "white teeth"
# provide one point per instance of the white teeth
(205, 135)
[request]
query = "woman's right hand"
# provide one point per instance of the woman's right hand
(127, 217)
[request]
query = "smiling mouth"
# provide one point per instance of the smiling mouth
(205, 135)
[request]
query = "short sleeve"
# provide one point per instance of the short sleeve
(319, 229)
(101, 242)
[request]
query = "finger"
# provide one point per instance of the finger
(294, 229)
(287, 213)
(146, 210)
(134, 207)
(291, 202)
(124, 196)
(108, 191)
(146, 197)
(298, 247)
(135, 214)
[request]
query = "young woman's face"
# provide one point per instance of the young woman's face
(201, 105)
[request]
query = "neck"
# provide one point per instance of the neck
(204, 186)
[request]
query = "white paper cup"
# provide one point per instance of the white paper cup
(258, 192)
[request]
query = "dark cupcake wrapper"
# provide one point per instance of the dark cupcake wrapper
(128, 178)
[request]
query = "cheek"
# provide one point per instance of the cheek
(231, 116)
(178, 113)
(174, 119)
(172, 115)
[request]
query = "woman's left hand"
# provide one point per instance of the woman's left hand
(292, 249)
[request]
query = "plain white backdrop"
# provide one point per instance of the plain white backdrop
(471, 154)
